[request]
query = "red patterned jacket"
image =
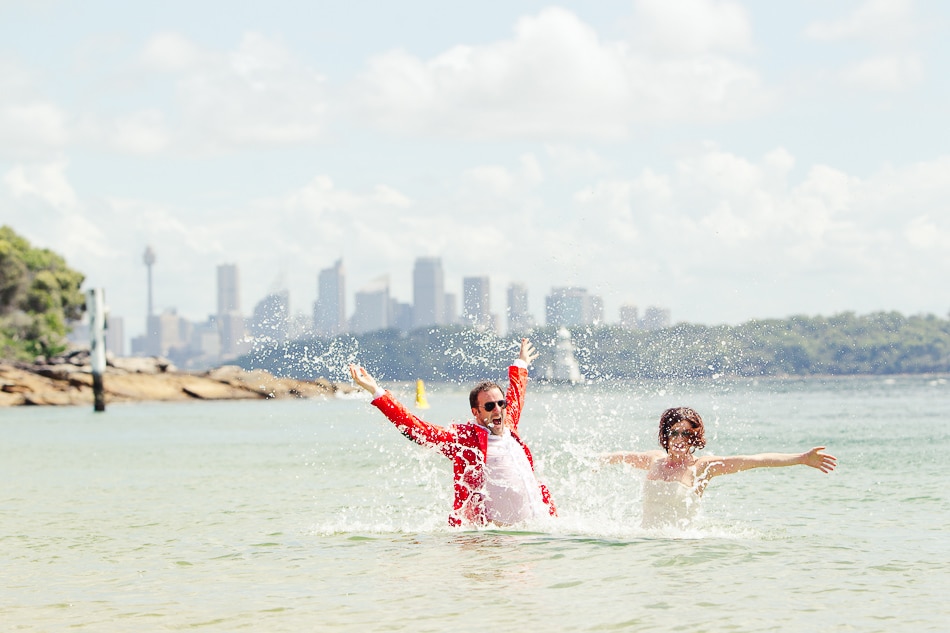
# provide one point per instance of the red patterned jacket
(466, 445)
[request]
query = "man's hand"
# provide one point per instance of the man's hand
(363, 378)
(528, 353)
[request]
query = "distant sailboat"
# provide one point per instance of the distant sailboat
(421, 402)
(565, 367)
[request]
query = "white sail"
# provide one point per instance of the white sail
(565, 367)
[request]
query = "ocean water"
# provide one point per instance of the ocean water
(318, 516)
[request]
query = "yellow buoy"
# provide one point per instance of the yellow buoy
(421, 401)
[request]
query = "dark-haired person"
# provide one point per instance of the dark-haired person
(676, 477)
(495, 483)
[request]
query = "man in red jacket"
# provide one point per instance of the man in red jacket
(493, 468)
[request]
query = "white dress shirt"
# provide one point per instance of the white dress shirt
(510, 484)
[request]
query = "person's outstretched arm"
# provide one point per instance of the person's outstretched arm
(816, 458)
(517, 383)
(410, 425)
(641, 460)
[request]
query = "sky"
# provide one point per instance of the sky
(727, 160)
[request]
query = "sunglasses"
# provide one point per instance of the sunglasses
(490, 406)
(683, 434)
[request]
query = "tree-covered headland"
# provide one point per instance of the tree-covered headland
(39, 296)
(843, 344)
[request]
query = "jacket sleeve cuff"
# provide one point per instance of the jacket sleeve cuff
(520, 363)
(379, 393)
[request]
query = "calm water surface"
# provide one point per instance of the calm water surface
(318, 516)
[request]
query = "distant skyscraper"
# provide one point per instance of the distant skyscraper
(401, 314)
(271, 320)
(373, 307)
(629, 317)
(573, 306)
(205, 341)
(476, 302)
(656, 318)
(519, 319)
(596, 314)
(329, 314)
(164, 333)
(450, 313)
(232, 334)
(115, 335)
(229, 297)
(229, 320)
(428, 292)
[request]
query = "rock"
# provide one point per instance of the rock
(58, 372)
(61, 382)
(269, 386)
(11, 399)
(56, 397)
(208, 389)
(142, 365)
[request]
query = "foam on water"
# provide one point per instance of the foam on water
(409, 486)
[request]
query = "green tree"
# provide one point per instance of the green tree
(842, 344)
(39, 295)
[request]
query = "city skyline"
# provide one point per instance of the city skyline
(229, 333)
(728, 159)
(229, 292)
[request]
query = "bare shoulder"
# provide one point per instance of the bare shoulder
(649, 459)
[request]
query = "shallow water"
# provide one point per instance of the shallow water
(317, 515)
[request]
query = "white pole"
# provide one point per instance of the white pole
(95, 305)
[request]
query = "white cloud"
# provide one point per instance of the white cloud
(692, 27)
(891, 29)
(256, 95)
(891, 73)
(321, 196)
(197, 100)
(572, 160)
(732, 214)
(143, 132)
(50, 212)
(925, 234)
(609, 212)
(321, 221)
(31, 125)
(496, 180)
(653, 189)
(719, 222)
(171, 52)
(874, 20)
(554, 80)
(47, 182)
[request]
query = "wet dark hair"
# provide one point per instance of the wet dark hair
(682, 414)
(480, 387)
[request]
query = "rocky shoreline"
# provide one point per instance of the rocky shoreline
(68, 381)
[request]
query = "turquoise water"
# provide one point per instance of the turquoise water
(318, 516)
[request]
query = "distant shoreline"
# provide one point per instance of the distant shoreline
(68, 382)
